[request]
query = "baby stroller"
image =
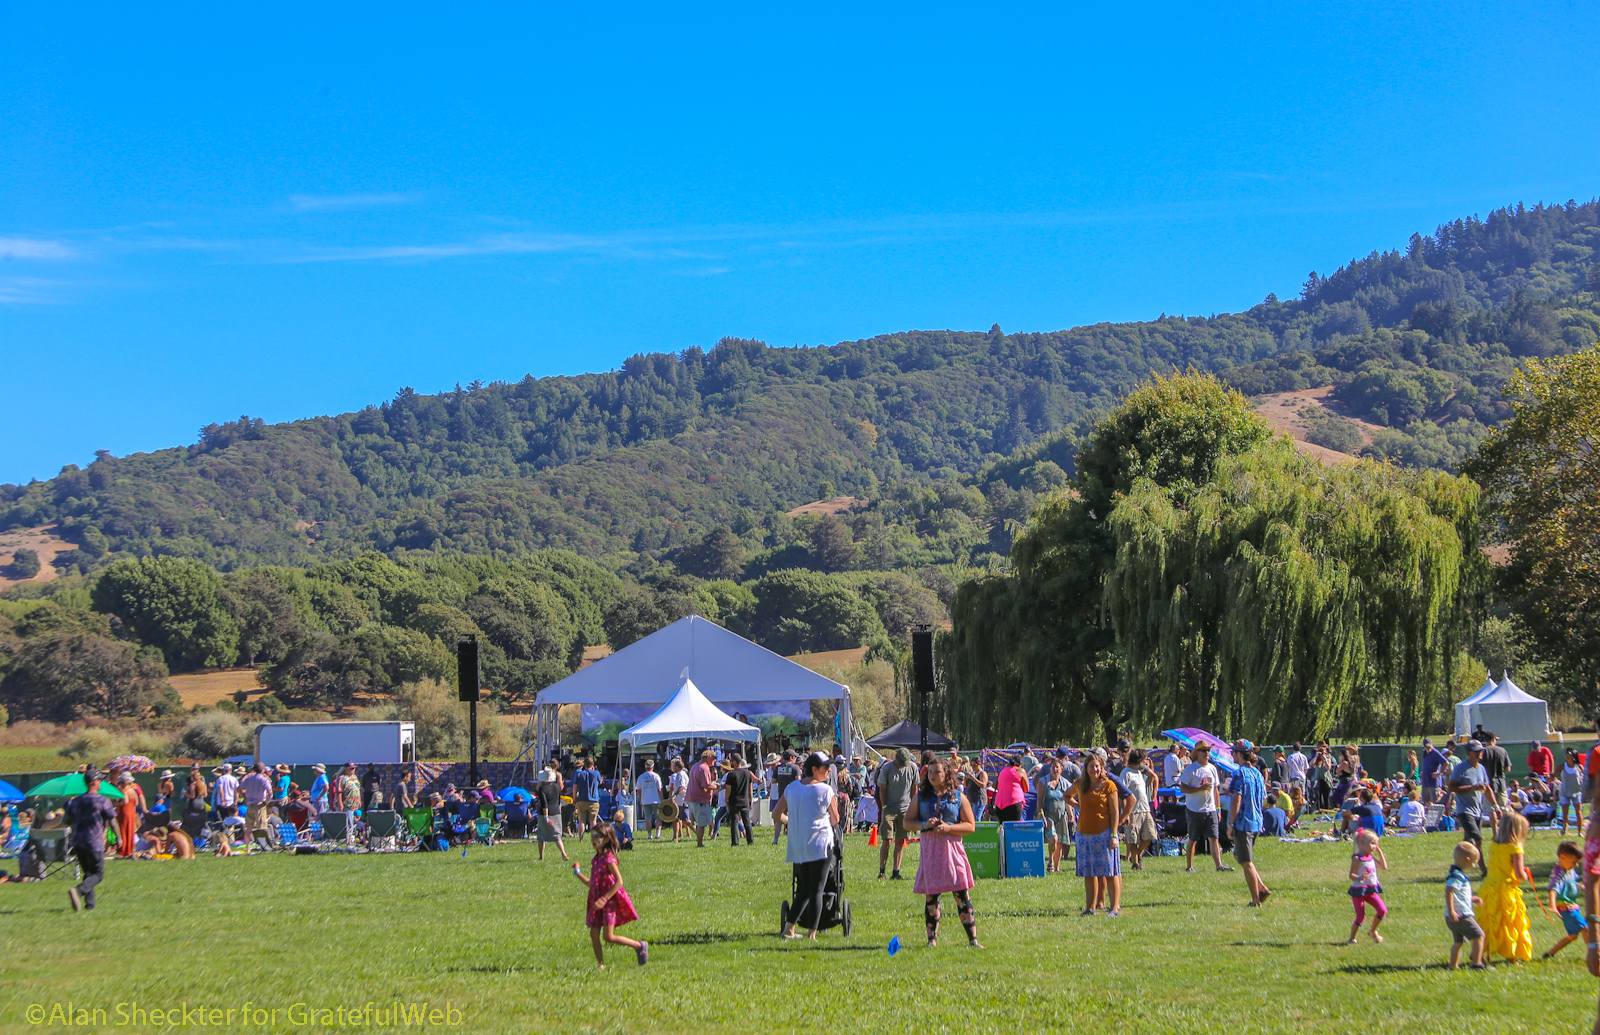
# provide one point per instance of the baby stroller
(835, 907)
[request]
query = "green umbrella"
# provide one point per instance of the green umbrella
(70, 786)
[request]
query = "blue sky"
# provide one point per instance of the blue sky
(281, 211)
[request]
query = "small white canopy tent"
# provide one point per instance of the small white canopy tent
(687, 716)
(724, 666)
(1463, 715)
(1514, 715)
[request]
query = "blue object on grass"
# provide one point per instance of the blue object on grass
(894, 945)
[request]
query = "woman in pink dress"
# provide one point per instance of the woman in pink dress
(943, 816)
(609, 904)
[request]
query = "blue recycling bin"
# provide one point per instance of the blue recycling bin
(1022, 848)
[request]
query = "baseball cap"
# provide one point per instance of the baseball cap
(1243, 745)
(1474, 745)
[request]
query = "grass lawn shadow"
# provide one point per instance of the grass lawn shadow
(1385, 968)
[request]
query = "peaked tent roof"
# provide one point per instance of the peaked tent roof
(1507, 693)
(908, 734)
(688, 714)
(723, 665)
(1477, 695)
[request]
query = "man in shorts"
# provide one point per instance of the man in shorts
(783, 774)
(703, 795)
(897, 783)
(1249, 791)
(586, 795)
(1199, 783)
(1469, 781)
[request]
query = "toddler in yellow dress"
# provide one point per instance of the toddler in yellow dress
(1504, 915)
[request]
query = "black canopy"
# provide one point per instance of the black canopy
(907, 734)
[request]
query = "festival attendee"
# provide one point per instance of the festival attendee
(1469, 781)
(784, 773)
(1011, 790)
(896, 784)
(1505, 915)
(1412, 814)
(609, 904)
(226, 790)
(1565, 891)
(1413, 769)
(129, 810)
(1458, 911)
(232, 830)
(943, 817)
(1249, 793)
(1541, 762)
(976, 780)
(179, 844)
(347, 789)
(166, 797)
(1141, 780)
(1274, 819)
(678, 784)
(298, 812)
(1497, 762)
(1172, 766)
(1362, 815)
(586, 795)
(647, 793)
(319, 789)
(624, 832)
(87, 815)
(1433, 761)
(1279, 773)
(256, 790)
(1571, 789)
(1298, 766)
(702, 795)
(549, 805)
(1055, 793)
(737, 785)
(1098, 859)
(1365, 891)
(1200, 785)
(811, 811)
(282, 776)
(1319, 779)
(517, 817)
(406, 793)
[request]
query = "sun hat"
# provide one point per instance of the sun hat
(124, 777)
(772, 758)
(482, 784)
(280, 767)
(319, 768)
(166, 774)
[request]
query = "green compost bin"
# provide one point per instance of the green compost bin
(983, 850)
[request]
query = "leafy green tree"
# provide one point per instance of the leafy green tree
(717, 555)
(174, 604)
(24, 564)
(805, 610)
(265, 614)
(66, 675)
(645, 609)
(1541, 475)
(833, 548)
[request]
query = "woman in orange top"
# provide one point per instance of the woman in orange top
(1099, 816)
(129, 809)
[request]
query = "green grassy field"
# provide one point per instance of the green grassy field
(500, 936)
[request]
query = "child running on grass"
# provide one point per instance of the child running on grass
(609, 904)
(1365, 862)
(1565, 891)
(1458, 903)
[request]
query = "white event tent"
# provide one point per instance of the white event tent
(1463, 713)
(1513, 714)
(687, 716)
(723, 667)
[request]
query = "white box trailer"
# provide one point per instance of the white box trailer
(333, 743)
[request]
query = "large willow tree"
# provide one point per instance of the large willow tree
(1205, 574)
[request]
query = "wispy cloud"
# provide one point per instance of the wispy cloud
(322, 202)
(33, 248)
(30, 291)
(502, 244)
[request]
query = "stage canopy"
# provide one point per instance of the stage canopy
(908, 734)
(688, 716)
(1514, 715)
(723, 666)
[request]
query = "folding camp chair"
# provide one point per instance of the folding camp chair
(48, 849)
(1431, 814)
(383, 830)
(418, 825)
(483, 830)
(336, 827)
(288, 835)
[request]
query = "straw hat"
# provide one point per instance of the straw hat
(166, 774)
(124, 777)
(319, 768)
(483, 785)
(772, 758)
(280, 767)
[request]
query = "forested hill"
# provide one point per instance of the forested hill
(946, 434)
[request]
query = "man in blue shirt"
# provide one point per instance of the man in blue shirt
(88, 815)
(586, 795)
(1249, 790)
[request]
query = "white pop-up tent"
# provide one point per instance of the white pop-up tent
(723, 666)
(1463, 713)
(1514, 715)
(687, 716)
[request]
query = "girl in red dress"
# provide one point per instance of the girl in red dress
(609, 905)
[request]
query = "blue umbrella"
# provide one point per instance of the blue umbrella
(10, 793)
(510, 793)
